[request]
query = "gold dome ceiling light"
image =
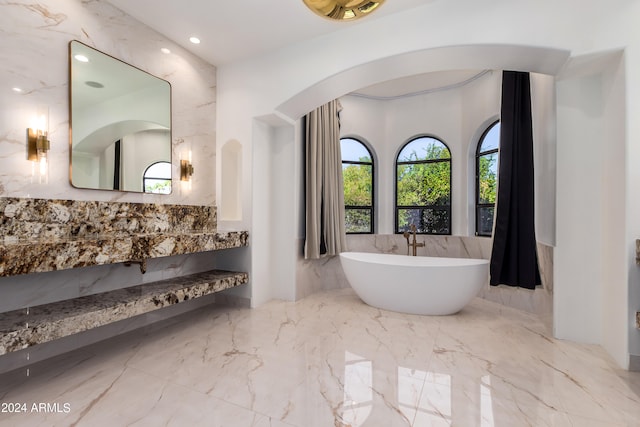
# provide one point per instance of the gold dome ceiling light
(343, 10)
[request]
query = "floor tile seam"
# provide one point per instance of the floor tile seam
(284, 403)
(166, 381)
(261, 415)
(424, 382)
(205, 395)
(602, 421)
(623, 414)
(515, 405)
(590, 389)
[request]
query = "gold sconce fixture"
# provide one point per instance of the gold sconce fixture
(38, 144)
(186, 170)
(343, 10)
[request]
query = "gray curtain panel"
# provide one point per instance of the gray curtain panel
(324, 197)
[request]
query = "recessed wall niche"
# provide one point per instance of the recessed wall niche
(231, 175)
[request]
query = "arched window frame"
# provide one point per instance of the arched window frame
(146, 178)
(483, 206)
(441, 207)
(369, 208)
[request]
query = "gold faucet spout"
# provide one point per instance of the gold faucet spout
(414, 244)
(406, 236)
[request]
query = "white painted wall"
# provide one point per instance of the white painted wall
(391, 123)
(543, 110)
(262, 244)
(356, 121)
(284, 212)
(231, 181)
(490, 35)
(591, 103)
(578, 268)
(140, 151)
(623, 32)
(457, 116)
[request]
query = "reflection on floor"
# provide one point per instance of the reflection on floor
(329, 360)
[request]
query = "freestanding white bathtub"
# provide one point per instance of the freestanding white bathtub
(415, 285)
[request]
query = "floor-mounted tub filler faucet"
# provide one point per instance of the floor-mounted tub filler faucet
(415, 245)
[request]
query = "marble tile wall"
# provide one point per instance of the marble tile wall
(316, 275)
(34, 58)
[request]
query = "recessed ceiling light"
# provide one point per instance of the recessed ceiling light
(194, 40)
(81, 58)
(16, 89)
(165, 50)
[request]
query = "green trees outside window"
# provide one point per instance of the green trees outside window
(487, 179)
(157, 178)
(357, 173)
(423, 186)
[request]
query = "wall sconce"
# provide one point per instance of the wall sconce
(186, 169)
(38, 144)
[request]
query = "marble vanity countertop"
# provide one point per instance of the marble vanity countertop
(59, 219)
(23, 328)
(24, 256)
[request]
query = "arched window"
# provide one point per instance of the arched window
(423, 186)
(157, 178)
(487, 179)
(357, 173)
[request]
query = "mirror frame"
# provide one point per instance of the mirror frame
(70, 93)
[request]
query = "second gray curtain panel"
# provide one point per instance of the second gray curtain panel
(324, 201)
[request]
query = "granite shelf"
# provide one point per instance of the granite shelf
(20, 329)
(24, 256)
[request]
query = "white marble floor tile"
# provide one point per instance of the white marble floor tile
(330, 360)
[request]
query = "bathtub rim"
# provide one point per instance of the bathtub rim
(412, 261)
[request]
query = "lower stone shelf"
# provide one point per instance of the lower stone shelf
(20, 329)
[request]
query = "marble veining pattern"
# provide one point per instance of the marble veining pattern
(35, 257)
(39, 33)
(37, 219)
(20, 329)
(40, 235)
(330, 360)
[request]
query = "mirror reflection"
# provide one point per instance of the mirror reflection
(120, 124)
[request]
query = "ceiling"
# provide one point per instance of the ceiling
(236, 30)
(420, 84)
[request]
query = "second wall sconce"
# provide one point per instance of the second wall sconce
(186, 170)
(38, 142)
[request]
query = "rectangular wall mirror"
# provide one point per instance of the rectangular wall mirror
(120, 124)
